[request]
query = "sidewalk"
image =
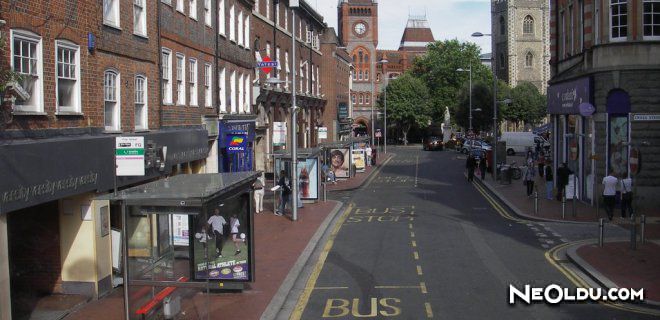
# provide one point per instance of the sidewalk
(360, 177)
(613, 265)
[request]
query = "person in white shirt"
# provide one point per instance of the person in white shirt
(609, 193)
(234, 224)
(626, 196)
(216, 222)
(368, 152)
(258, 187)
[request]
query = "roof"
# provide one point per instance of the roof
(417, 34)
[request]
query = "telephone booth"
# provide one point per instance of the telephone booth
(160, 279)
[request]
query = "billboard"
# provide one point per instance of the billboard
(340, 162)
(358, 158)
(308, 178)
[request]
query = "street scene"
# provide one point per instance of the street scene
(296, 159)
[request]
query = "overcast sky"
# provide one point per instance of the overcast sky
(449, 19)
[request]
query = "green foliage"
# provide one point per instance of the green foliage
(407, 103)
(482, 98)
(7, 75)
(528, 104)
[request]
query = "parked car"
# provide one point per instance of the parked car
(433, 143)
(520, 142)
(470, 144)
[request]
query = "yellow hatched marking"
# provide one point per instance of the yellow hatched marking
(419, 270)
(412, 234)
(429, 311)
(416, 255)
(410, 226)
(422, 285)
(414, 243)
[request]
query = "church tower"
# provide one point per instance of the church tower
(358, 31)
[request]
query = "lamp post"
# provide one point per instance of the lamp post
(294, 138)
(469, 70)
(492, 59)
(383, 62)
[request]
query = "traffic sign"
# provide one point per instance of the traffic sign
(379, 134)
(267, 65)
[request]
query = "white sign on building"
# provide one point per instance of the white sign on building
(129, 155)
(323, 132)
(279, 133)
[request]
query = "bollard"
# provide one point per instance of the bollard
(601, 225)
(574, 201)
(563, 207)
(633, 231)
(642, 225)
(536, 202)
(325, 193)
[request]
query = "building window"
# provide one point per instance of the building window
(286, 18)
(27, 62)
(354, 75)
(502, 26)
(528, 25)
(286, 69)
(192, 7)
(167, 75)
(68, 76)
(180, 79)
(246, 26)
(277, 13)
(222, 87)
(232, 92)
(652, 19)
(179, 5)
(240, 101)
(618, 20)
(529, 60)
(193, 81)
(240, 28)
(232, 24)
(571, 32)
(139, 18)
(360, 75)
(208, 74)
(353, 98)
(267, 9)
(111, 12)
(361, 57)
(318, 85)
(367, 98)
(361, 99)
(111, 97)
(221, 17)
(366, 75)
(207, 12)
(141, 103)
(248, 94)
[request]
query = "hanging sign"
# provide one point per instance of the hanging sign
(267, 64)
(129, 155)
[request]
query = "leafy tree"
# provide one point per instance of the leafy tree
(438, 70)
(7, 75)
(407, 103)
(482, 98)
(528, 104)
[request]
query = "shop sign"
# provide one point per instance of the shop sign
(342, 111)
(267, 64)
(279, 133)
(129, 155)
(565, 98)
(236, 143)
(323, 132)
(646, 117)
(586, 109)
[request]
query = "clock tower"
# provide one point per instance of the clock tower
(358, 31)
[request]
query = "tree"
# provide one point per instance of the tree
(482, 98)
(7, 76)
(438, 67)
(528, 104)
(407, 103)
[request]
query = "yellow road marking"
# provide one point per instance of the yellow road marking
(412, 234)
(410, 226)
(429, 311)
(311, 283)
(416, 255)
(414, 243)
(419, 270)
(500, 210)
(330, 288)
(422, 285)
(396, 287)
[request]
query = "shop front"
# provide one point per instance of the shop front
(236, 145)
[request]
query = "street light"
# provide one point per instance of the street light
(492, 58)
(470, 71)
(294, 143)
(383, 62)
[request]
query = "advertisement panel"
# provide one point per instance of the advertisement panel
(224, 236)
(129, 155)
(236, 143)
(308, 177)
(180, 230)
(358, 159)
(279, 134)
(323, 132)
(340, 162)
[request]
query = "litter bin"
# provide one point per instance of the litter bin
(505, 174)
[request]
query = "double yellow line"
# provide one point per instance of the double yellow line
(495, 204)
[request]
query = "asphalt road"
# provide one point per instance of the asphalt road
(420, 242)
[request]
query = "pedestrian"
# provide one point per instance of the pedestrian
(609, 194)
(368, 152)
(541, 163)
(529, 176)
(374, 156)
(547, 175)
(482, 166)
(234, 224)
(216, 223)
(258, 187)
(470, 164)
(626, 196)
(562, 179)
(285, 185)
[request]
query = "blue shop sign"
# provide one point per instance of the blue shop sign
(566, 97)
(231, 128)
(236, 143)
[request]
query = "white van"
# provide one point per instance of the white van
(522, 141)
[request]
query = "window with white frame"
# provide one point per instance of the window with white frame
(268, 54)
(300, 27)
(139, 18)
(246, 26)
(192, 7)
(361, 99)
(367, 98)
(241, 94)
(167, 75)
(180, 79)
(318, 84)
(232, 24)
(286, 18)
(528, 25)
(353, 99)
(111, 97)
(360, 73)
(221, 17)
(529, 60)
(307, 77)
(279, 65)
(277, 13)
(207, 12)
(222, 87)
(652, 19)
(256, 6)
(141, 103)
(240, 28)
(267, 9)
(286, 69)
(27, 61)
(355, 75)
(179, 5)
(248, 94)
(232, 92)
(111, 12)
(208, 74)
(618, 20)
(68, 76)
(313, 79)
(193, 81)
(366, 75)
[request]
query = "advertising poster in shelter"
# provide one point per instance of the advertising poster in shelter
(308, 177)
(340, 163)
(358, 159)
(180, 229)
(223, 237)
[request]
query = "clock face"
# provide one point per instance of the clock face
(360, 28)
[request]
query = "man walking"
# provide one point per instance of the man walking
(609, 194)
(470, 164)
(285, 185)
(216, 222)
(258, 187)
(562, 179)
(368, 152)
(547, 174)
(626, 196)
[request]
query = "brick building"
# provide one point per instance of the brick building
(336, 81)
(603, 97)
(273, 25)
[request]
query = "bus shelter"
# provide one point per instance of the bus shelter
(218, 213)
(309, 171)
(343, 157)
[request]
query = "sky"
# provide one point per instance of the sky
(449, 19)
